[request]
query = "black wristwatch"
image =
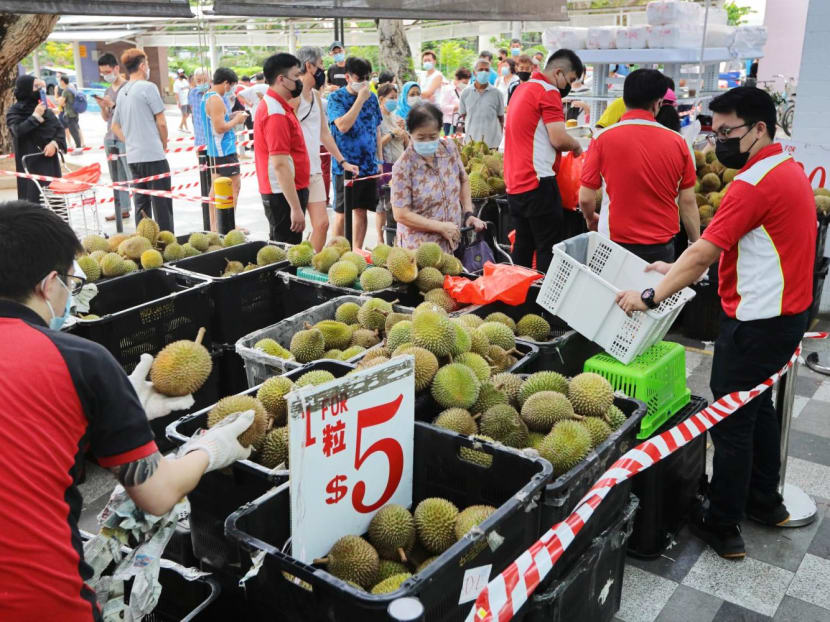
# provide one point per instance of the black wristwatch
(648, 298)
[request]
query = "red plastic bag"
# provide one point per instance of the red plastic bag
(500, 281)
(570, 170)
(367, 255)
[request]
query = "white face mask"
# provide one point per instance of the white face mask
(412, 101)
(147, 73)
(357, 86)
(109, 77)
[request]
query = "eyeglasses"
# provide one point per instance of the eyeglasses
(74, 283)
(723, 132)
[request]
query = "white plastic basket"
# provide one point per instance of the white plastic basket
(582, 282)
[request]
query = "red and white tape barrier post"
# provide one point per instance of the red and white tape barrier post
(506, 593)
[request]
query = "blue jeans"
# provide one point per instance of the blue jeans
(118, 171)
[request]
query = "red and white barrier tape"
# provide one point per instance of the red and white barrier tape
(350, 182)
(506, 593)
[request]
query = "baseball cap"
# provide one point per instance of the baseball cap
(181, 72)
(670, 99)
(335, 45)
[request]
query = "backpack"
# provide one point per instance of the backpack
(79, 104)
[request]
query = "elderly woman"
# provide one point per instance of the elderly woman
(35, 129)
(430, 191)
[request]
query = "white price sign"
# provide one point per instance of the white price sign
(350, 453)
(814, 158)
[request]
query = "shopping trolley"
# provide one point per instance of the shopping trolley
(73, 196)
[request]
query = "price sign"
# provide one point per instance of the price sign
(815, 159)
(350, 453)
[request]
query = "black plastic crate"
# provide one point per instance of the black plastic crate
(512, 483)
(667, 489)
(700, 318)
(561, 495)
(819, 276)
(144, 311)
(592, 589)
(181, 599)
(221, 492)
(298, 294)
(821, 237)
(243, 302)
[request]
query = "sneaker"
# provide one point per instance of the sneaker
(771, 511)
(726, 540)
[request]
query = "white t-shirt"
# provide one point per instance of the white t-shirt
(182, 88)
(253, 94)
(426, 82)
(310, 114)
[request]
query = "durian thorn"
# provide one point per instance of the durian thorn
(321, 560)
(578, 417)
(200, 335)
(402, 553)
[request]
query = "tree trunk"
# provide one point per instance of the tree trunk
(395, 55)
(20, 34)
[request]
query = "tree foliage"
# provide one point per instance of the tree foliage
(736, 14)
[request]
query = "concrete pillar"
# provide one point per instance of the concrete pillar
(484, 42)
(76, 55)
(213, 51)
(36, 62)
(292, 39)
(415, 37)
(811, 123)
(516, 30)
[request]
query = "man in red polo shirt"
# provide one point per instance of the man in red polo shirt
(62, 396)
(643, 164)
(534, 134)
(282, 164)
(765, 235)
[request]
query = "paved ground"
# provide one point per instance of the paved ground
(787, 572)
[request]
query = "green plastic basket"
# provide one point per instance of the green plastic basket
(310, 274)
(657, 377)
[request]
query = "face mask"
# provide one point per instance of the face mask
(298, 88)
(58, 320)
(425, 148)
(515, 51)
(463, 85)
(428, 65)
(319, 78)
(482, 77)
(202, 87)
(729, 151)
(147, 74)
(357, 86)
(563, 91)
(109, 77)
(414, 100)
(524, 76)
(339, 57)
(505, 71)
(391, 105)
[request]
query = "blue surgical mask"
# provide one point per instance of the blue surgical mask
(203, 87)
(515, 51)
(58, 320)
(428, 65)
(482, 77)
(391, 105)
(425, 148)
(505, 71)
(339, 57)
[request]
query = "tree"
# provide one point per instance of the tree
(395, 54)
(19, 35)
(735, 14)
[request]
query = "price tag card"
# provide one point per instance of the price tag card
(475, 580)
(350, 453)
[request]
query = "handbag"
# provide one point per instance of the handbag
(475, 254)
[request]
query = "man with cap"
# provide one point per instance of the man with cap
(336, 75)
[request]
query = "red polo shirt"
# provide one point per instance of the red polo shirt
(766, 226)
(528, 154)
(277, 131)
(644, 165)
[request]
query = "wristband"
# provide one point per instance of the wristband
(465, 216)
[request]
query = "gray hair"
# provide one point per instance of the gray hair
(198, 72)
(308, 54)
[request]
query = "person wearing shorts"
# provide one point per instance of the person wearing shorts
(354, 119)
(311, 112)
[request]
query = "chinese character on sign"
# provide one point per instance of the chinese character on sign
(334, 438)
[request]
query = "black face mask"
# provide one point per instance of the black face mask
(564, 91)
(729, 151)
(319, 78)
(524, 76)
(298, 88)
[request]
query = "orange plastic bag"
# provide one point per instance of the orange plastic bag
(503, 282)
(570, 170)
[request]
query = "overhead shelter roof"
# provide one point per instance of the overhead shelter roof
(94, 35)
(523, 10)
(140, 8)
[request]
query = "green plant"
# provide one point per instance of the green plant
(736, 14)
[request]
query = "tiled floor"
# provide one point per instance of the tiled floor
(786, 575)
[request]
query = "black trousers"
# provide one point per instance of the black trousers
(653, 252)
(278, 213)
(162, 209)
(538, 219)
(747, 443)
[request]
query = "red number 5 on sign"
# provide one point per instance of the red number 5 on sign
(349, 440)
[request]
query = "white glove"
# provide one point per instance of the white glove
(155, 404)
(221, 443)
(82, 300)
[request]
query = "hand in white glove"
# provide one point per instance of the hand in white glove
(221, 443)
(82, 300)
(155, 404)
